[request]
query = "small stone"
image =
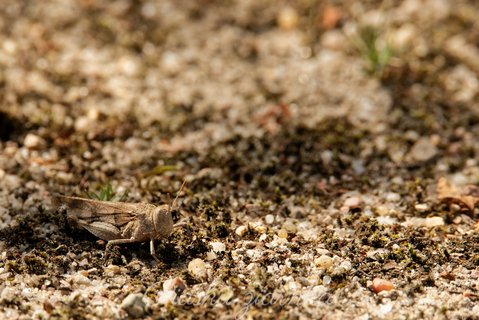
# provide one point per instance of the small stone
(290, 227)
(326, 156)
(379, 285)
(175, 284)
(33, 141)
(134, 305)
(83, 124)
(330, 17)
(382, 210)
(166, 297)
(424, 222)
(197, 268)
(210, 256)
(423, 150)
(358, 166)
(345, 266)
(259, 228)
(352, 202)
(93, 114)
(322, 251)
(324, 261)
(326, 280)
(241, 230)
(287, 18)
(393, 197)
(269, 219)
(434, 222)
(403, 37)
(226, 294)
(421, 207)
(283, 234)
(217, 246)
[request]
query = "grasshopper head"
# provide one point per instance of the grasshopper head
(163, 221)
(162, 218)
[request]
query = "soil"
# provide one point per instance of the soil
(311, 137)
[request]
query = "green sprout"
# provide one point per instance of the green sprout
(106, 193)
(374, 48)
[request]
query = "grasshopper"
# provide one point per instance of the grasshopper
(120, 222)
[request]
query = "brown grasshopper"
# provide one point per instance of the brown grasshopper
(120, 222)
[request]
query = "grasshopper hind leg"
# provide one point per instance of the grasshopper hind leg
(115, 242)
(131, 240)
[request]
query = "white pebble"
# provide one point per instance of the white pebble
(421, 207)
(134, 305)
(197, 268)
(324, 261)
(241, 230)
(217, 246)
(166, 297)
(173, 284)
(393, 197)
(352, 202)
(345, 266)
(290, 227)
(210, 256)
(33, 141)
(269, 219)
(226, 294)
(283, 234)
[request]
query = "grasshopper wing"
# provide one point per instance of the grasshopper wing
(102, 218)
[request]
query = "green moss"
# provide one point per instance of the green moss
(14, 266)
(35, 264)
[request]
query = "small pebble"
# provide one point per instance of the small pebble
(259, 228)
(381, 210)
(393, 197)
(226, 294)
(241, 230)
(423, 150)
(83, 124)
(210, 256)
(283, 234)
(434, 222)
(33, 141)
(174, 284)
(421, 207)
(424, 222)
(134, 305)
(290, 227)
(324, 261)
(287, 18)
(326, 280)
(381, 285)
(330, 17)
(352, 202)
(345, 266)
(166, 297)
(217, 246)
(197, 268)
(269, 219)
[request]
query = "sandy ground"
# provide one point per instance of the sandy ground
(329, 150)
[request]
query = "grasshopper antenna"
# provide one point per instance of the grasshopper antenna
(178, 193)
(173, 204)
(169, 203)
